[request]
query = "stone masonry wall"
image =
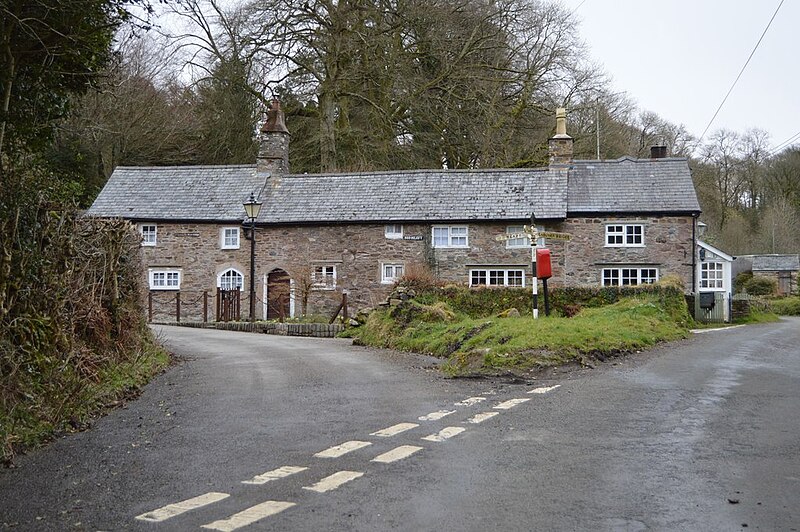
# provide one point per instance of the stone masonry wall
(667, 246)
(358, 251)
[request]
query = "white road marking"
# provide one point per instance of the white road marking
(445, 434)
(334, 481)
(275, 474)
(545, 389)
(511, 403)
(480, 418)
(171, 510)
(340, 450)
(249, 516)
(394, 430)
(470, 401)
(439, 414)
(702, 331)
(398, 453)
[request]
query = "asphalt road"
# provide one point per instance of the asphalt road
(304, 434)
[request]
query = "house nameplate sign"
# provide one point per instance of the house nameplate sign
(414, 237)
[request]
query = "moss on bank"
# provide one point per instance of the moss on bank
(491, 344)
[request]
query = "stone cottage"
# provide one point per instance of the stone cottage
(632, 221)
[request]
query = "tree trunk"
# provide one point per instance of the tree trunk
(327, 132)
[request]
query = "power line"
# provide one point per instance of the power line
(785, 143)
(740, 74)
(579, 6)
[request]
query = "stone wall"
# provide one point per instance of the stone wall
(358, 251)
(316, 330)
(667, 246)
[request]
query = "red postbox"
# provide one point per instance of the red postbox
(543, 268)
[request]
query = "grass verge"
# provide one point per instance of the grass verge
(68, 400)
(493, 345)
(786, 306)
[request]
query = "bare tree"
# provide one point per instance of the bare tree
(724, 172)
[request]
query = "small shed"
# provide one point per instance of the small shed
(783, 268)
(714, 283)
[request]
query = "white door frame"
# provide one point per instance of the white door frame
(265, 300)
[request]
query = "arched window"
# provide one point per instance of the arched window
(230, 279)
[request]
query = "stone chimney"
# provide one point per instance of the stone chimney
(659, 151)
(273, 143)
(559, 147)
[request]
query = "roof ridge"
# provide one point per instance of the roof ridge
(629, 158)
(420, 171)
(184, 166)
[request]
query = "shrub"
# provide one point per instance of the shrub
(418, 276)
(787, 306)
(673, 281)
(490, 301)
(761, 286)
(741, 280)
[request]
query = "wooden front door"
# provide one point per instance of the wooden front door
(278, 295)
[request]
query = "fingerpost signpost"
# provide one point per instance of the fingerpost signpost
(530, 232)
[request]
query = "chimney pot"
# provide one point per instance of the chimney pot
(275, 119)
(273, 150)
(559, 146)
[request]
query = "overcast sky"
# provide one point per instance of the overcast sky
(678, 58)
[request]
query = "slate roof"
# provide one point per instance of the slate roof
(201, 193)
(776, 263)
(419, 195)
(209, 193)
(628, 185)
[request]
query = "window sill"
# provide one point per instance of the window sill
(625, 245)
(166, 288)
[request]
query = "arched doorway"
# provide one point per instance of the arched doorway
(278, 295)
(229, 289)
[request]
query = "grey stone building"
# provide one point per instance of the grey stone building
(784, 269)
(318, 236)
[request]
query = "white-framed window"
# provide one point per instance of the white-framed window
(624, 235)
(390, 273)
(393, 231)
(497, 277)
(629, 276)
(324, 277)
(229, 238)
(450, 236)
(164, 279)
(149, 234)
(230, 279)
(524, 242)
(711, 275)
